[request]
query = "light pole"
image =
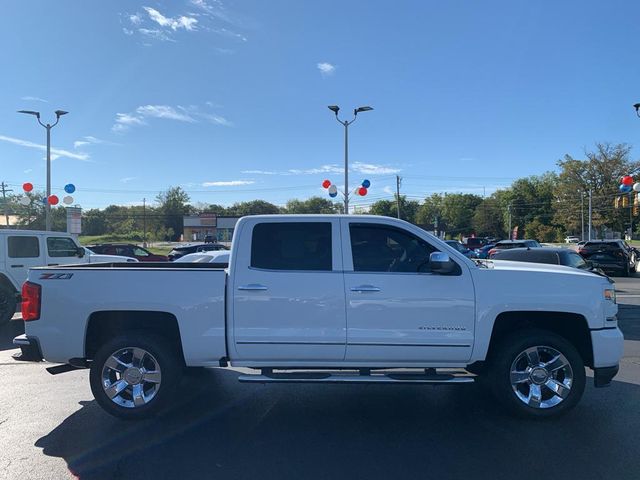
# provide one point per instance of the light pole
(48, 127)
(335, 109)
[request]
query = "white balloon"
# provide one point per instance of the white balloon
(25, 201)
(68, 200)
(636, 187)
(333, 189)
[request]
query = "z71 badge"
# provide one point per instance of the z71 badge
(56, 276)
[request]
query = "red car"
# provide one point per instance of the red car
(128, 250)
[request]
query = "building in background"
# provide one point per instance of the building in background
(198, 227)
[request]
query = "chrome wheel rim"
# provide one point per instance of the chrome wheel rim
(541, 377)
(131, 377)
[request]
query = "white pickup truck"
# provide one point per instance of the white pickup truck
(327, 299)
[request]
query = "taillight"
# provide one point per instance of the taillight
(31, 301)
(491, 252)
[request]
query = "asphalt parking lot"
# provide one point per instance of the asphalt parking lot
(50, 428)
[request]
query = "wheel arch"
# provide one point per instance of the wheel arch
(7, 283)
(104, 325)
(571, 326)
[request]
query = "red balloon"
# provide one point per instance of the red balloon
(53, 200)
(27, 187)
(627, 180)
(362, 191)
(326, 184)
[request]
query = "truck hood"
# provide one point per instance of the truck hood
(536, 267)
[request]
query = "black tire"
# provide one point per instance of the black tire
(7, 304)
(159, 352)
(627, 271)
(510, 349)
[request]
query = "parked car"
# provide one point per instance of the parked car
(506, 244)
(327, 299)
(461, 248)
(612, 256)
(217, 258)
(474, 243)
(94, 257)
(484, 251)
(571, 239)
(188, 248)
(552, 256)
(127, 250)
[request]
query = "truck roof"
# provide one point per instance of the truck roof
(13, 231)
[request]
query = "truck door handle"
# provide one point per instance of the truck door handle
(252, 286)
(365, 288)
(17, 266)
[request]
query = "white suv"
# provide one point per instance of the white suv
(23, 249)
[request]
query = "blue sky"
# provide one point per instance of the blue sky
(228, 98)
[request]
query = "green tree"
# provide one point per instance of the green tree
(173, 205)
(600, 172)
(254, 207)
(389, 208)
(488, 219)
(312, 205)
(430, 212)
(458, 210)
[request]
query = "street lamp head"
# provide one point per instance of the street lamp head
(637, 107)
(30, 112)
(59, 113)
(334, 108)
(362, 109)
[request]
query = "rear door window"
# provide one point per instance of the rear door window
(23, 247)
(292, 246)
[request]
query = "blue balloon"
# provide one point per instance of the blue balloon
(44, 201)
(625, 188)
(69, 188)
(366, 184)
(335, 194)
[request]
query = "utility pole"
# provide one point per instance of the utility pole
(631, 215)
(582, 214)
(590, 213)
(509, 211)
(4, 201)
(144, 222)
(398, 180)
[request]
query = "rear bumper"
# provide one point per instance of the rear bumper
(30, 349)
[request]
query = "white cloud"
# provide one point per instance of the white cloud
(55, 152)
(127, 31)
(187, 23)
(388, 190)
(91, 140)
(80, 143)
(326, 69)
(189, 114)
(155, 34)
(163, 111)
(135, 19)
(259, 172)
(34, 99)
(358, 167)
(28, 170)
(231, 183)
(127, 179)
(371, 169)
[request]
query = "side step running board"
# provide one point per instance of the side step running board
(338, 377)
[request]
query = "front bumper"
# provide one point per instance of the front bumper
(30, 349)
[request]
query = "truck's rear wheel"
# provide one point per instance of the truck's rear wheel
(7, 304)
(537, 373)
(134, 376)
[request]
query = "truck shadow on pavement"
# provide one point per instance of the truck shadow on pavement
(223, 429)
(8, 331)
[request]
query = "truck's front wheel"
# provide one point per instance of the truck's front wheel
(537, 373)
(134, 376)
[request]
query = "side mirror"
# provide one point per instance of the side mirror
(80, 252)
(439, 262)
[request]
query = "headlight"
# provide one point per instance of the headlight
(610, 294)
